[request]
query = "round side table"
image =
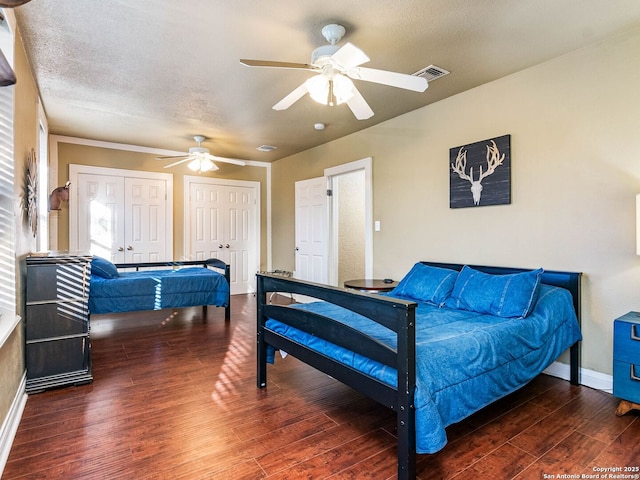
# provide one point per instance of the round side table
(372, 285)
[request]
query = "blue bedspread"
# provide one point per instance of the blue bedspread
(158, 289)
(464, 360)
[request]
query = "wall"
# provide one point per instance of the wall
(25, 138)
(574, 127)
(72, 153)
(349, 188)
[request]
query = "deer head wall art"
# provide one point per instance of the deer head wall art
(480, 173)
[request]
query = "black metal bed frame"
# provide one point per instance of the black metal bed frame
(395, 314)
(211, 262)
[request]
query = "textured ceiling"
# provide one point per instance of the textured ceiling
(154, 72)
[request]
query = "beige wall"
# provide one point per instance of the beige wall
(25, 138)
(72, 153)
(574, 126)
(350, 188)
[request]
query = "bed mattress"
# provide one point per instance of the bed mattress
(158, 289)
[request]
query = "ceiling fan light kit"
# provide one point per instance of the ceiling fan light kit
(330, 90)
(204, 165)
(335, 66)
(199, 158)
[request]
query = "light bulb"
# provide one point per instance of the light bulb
(195, 165)
(330, 89)
(207, 165)
(342, 88)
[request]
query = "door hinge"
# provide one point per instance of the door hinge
(329, 192)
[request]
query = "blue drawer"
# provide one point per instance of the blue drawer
(626, 380)
(626, 341)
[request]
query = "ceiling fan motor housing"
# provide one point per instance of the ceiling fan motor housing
(320, 56)
(198, 150)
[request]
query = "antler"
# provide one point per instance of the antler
(493, 160)
(461, 165)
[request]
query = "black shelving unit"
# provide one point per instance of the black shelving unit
(58, 348)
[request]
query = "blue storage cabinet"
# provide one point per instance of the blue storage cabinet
(626, 361)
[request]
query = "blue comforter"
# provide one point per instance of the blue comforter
(158, 289)
(464, 360)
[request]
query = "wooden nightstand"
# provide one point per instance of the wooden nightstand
(626, 362)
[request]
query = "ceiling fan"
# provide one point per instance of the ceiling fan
(199, 158)
(335, 66)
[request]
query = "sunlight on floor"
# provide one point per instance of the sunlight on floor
(236, 356)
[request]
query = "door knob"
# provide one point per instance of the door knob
(121, 249)
(297, 249)
(220, 246)
(129, 248)
(226, 246)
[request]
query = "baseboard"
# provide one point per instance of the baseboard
(10, 424)
(588, 378)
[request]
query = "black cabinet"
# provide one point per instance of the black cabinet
(58, 350)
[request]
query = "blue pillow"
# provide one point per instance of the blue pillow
(512, 295)
(426, 283)
(103, 268)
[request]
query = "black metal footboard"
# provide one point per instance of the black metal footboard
(397, 315)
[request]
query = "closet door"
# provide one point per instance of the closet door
(239, 209)
(101, 216)
(121, 215)
(145, 220)
(222, 221)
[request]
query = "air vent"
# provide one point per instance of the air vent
(431, 73)
(266, 148)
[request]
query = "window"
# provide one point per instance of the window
(43, 186)
(7, 219)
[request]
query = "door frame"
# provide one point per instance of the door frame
(366, 165)
(76, 170)
(189, 179)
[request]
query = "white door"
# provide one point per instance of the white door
(101, 216)
(125, 217)
(145, 220)
(222, 221)
(311, 230)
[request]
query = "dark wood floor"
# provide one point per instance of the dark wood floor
(175, 398)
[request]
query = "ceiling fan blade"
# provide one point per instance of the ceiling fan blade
(172, 157)
(292, 98)
(267, 63)
(186, 159)
(349, 56)
(359, 106)
(234, 161)
(393, 79)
